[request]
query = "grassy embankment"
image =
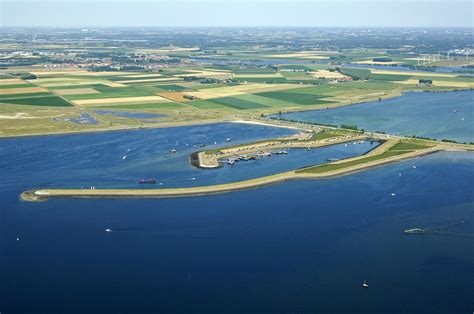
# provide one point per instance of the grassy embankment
(396, 150)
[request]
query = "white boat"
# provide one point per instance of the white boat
(228, 139)
(108, 230)
(393, 194)
(365, 284)
(173, 151)
(124, 157)
(414, 167)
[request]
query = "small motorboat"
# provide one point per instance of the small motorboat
(228, 139)
(108, 230)
(147, 181)
(173, 151)
(365, 284)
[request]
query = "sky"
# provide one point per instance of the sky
(355, 13)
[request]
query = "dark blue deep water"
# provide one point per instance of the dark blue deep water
(301, 246)
(448, 115)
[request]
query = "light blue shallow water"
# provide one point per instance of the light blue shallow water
(464, 71)
(448, 115)
(300, 246)
(120, 159)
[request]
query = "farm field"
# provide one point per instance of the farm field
(195, 93)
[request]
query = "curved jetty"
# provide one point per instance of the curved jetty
(386, 153)
(393, 149)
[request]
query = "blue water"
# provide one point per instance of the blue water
(259, 62)
(448, 115)
(302, 246)
(84, 118)
(134, 115)
(120, 159)
(463, 71)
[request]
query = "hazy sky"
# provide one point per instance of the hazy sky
(236, 13)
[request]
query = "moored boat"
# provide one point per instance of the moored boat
(147, 181)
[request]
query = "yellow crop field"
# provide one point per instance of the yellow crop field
(103, 101)
(202, 95)
(21, 90)
(152, 80)
(12, 81)
(175, 96)
(48, 72)
(244, 89)
(205, 73)
(142, 75)
(327, 74)
(41, 81)
(112, 84)
(105, 73)
(440, 83)
(75, 91)
(75, 83)
(262, 75)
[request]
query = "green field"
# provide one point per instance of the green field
(332, 167)
(173, 88)
(407, 146)
(207, 104)
(237, 103)
(5, 86)
(52, 101)
(296, 97)
(30, 95)
(397, 149)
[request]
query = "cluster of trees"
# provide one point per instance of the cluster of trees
(425, 82)
(382, 59)
(24, 75)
